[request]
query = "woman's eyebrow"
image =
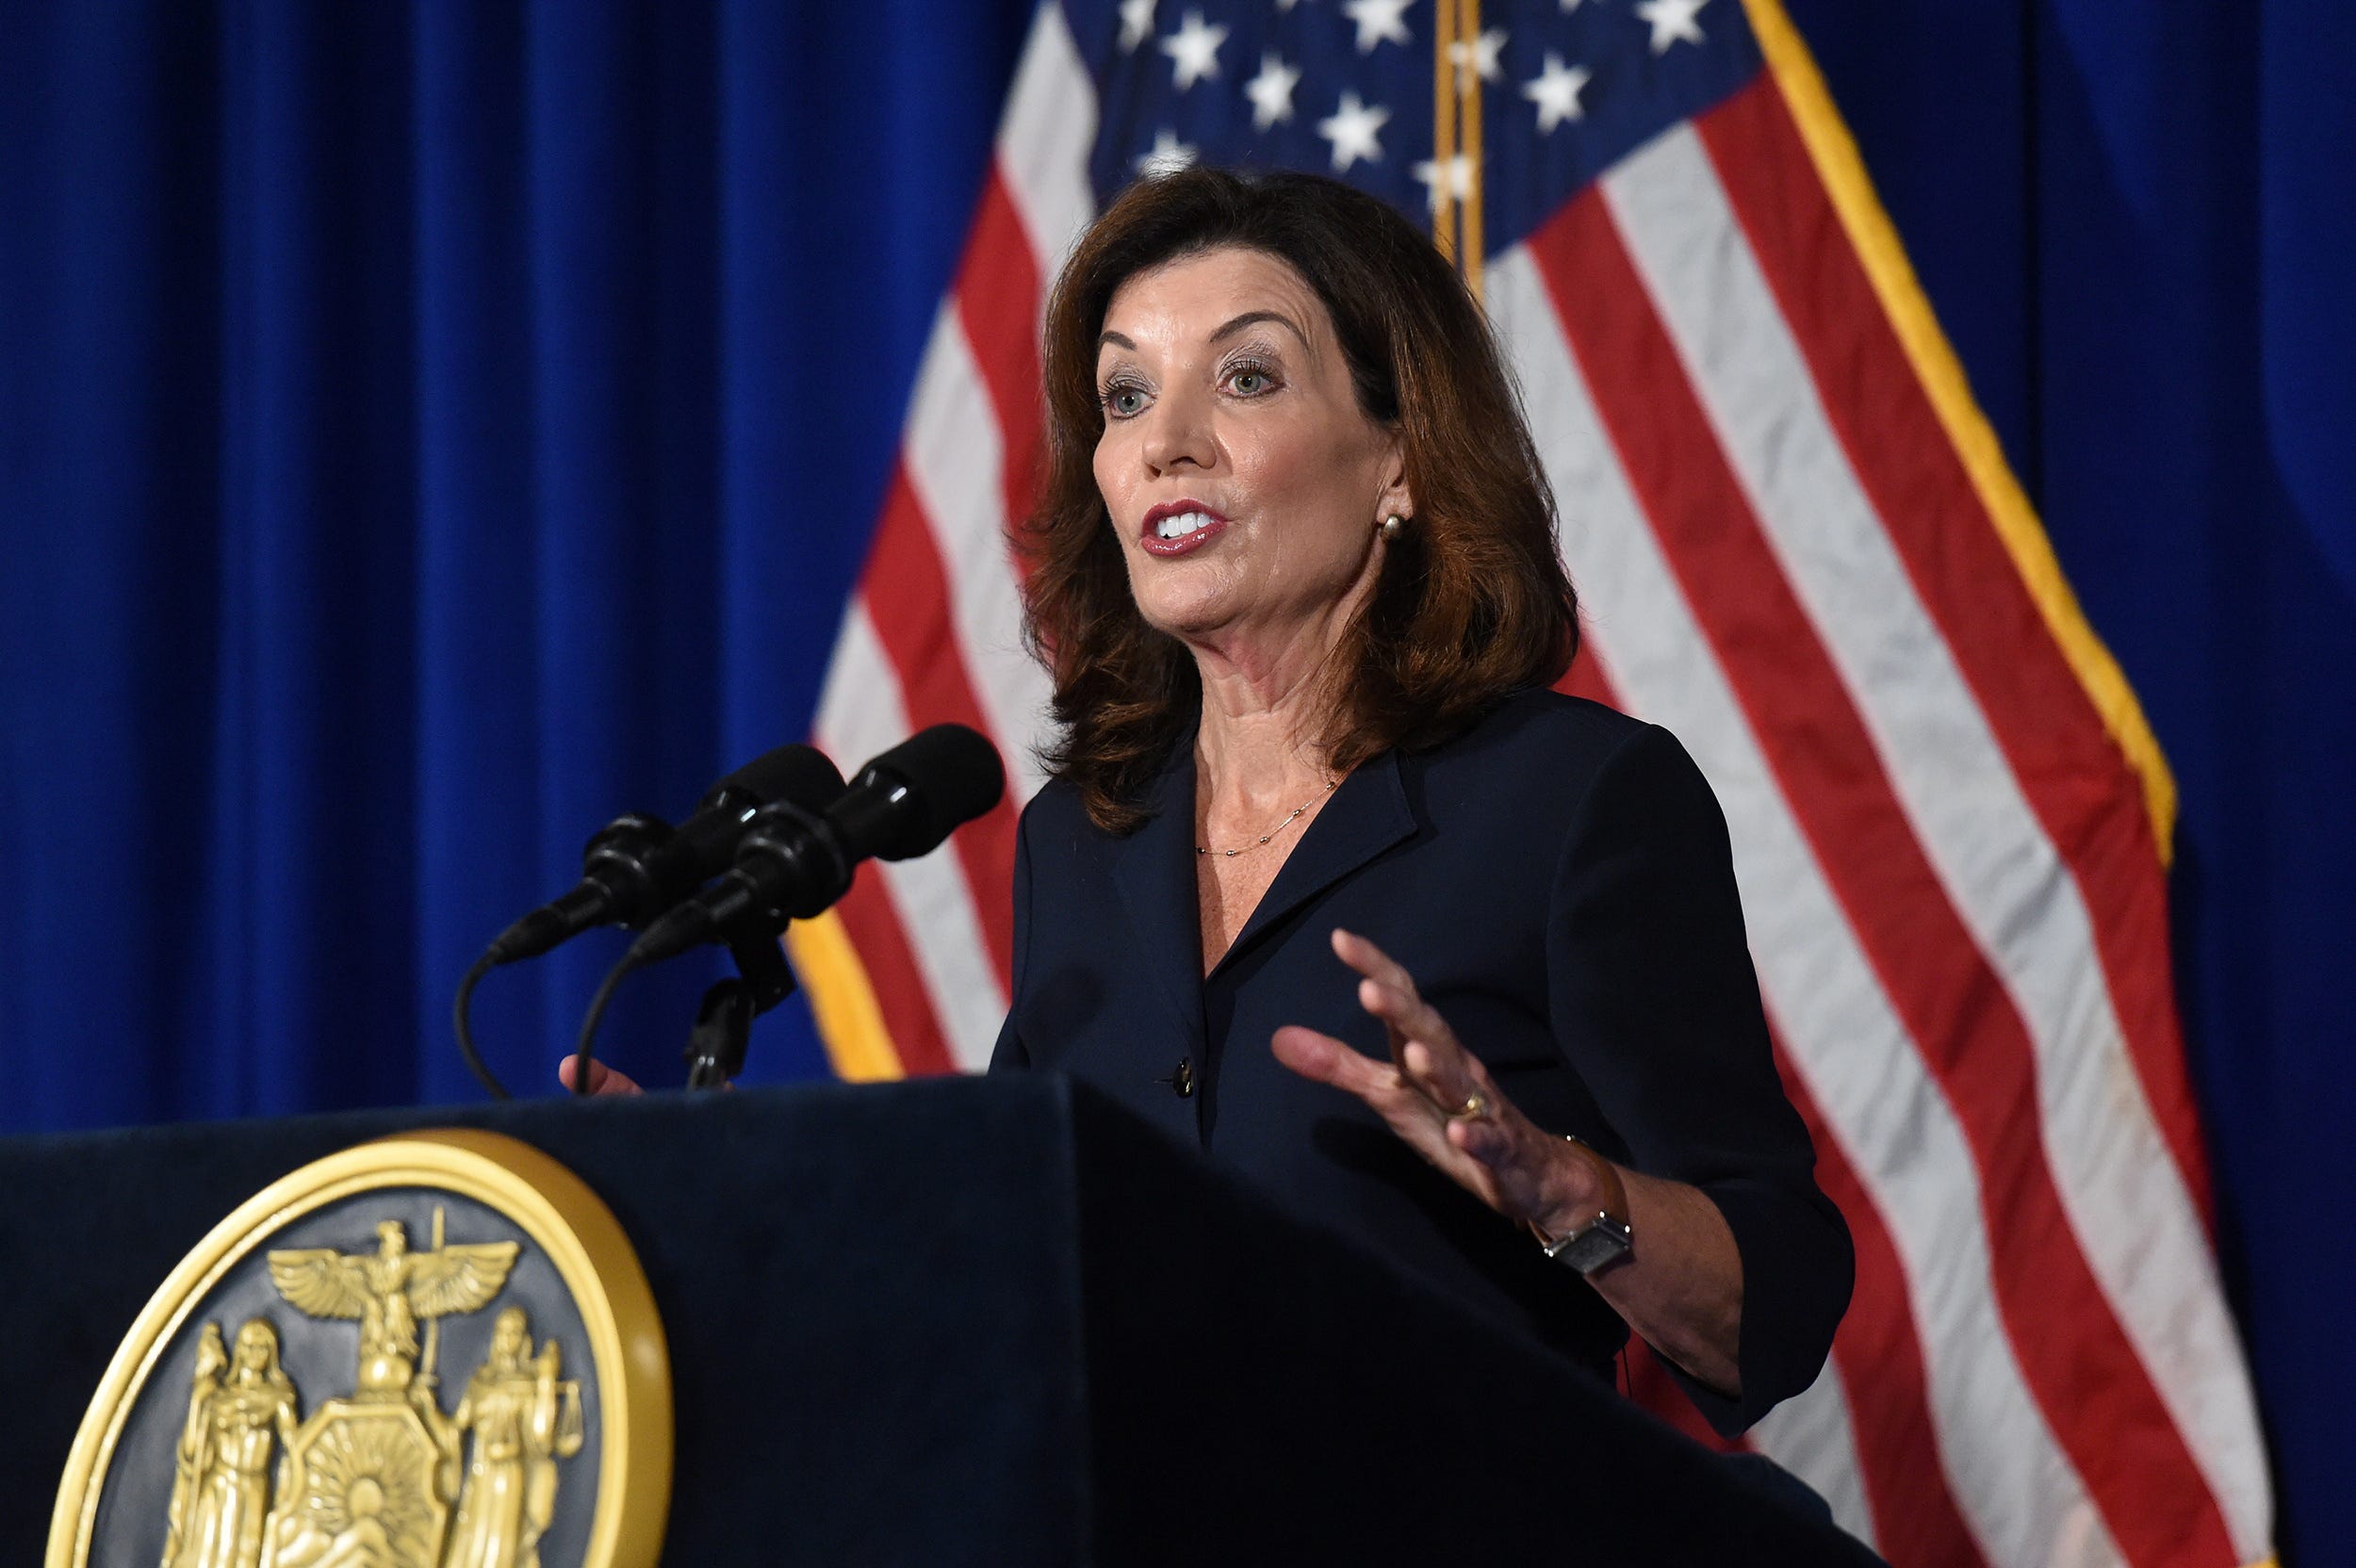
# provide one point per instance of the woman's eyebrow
(1250, 317)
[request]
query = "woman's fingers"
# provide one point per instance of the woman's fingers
(1385, 1089)
(1422, 1043)
(1447, 1078)
(1380, 970)
(1435, 1094)
(1329, 1061)
(1388, 992)
(1434, 1064)
(1484, 1154)
(602, 1079)
(1486, 1138)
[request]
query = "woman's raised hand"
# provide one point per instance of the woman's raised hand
(602, 1079)
(1438, 1097)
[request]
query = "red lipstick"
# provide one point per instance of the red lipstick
(1151, 541)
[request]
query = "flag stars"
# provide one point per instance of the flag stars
(1478, 55)
(1353, 130)
(1556, 91)
(1379, 22)
(1193, 50)
(1169, 155)
(1136, 23)
(1271, 92)
(1448, 181)
(1672, 21)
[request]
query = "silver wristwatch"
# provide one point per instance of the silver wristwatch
(1602, 1241)
(1599, 1242)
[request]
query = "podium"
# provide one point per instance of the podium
(959, 1321)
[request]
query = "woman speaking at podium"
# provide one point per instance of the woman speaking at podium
(1326, 878)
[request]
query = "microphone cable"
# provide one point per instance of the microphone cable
(464, 1008)
(586, 1044)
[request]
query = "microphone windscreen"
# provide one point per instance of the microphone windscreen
(950, 774)
(800, 774)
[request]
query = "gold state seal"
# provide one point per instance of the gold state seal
(381, 1468)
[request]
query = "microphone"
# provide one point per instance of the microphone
(636, 867)
(793, 862)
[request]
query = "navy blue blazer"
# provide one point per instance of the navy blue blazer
(1559, 882)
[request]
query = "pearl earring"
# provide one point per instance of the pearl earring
(1391, 524)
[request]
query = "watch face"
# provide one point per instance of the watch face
(1596, 1245)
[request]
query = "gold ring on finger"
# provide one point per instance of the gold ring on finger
(1476, 1105)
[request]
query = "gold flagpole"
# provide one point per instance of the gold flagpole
(1443, 127)
(1468, 106)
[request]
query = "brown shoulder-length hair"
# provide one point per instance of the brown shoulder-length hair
(1471, 603)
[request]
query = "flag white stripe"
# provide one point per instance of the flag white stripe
(862, 713)
(2011, 1480)
(2126, 1200)
(1813, 1436)
(1044, 139)
(935, 908)
(955, 459)
(861, 710)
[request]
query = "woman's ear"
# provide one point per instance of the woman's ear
(1395, 498)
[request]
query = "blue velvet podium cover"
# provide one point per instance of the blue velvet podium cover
(958, 1321)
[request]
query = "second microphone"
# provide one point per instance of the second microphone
(793, 863)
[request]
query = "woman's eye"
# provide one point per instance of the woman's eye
(1123, 402)
(1250, 384)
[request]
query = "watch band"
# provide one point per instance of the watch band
(1602, 1241)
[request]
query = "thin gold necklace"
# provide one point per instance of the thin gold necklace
(1231, 853)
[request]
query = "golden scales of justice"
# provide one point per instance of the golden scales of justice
(383, 1478)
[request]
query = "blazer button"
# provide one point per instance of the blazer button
(1181, 1079)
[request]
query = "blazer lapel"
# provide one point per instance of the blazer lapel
(1368, 815)
(1154, 870)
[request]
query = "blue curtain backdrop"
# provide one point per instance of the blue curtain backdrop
(428, 430)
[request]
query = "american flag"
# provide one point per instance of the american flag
(1799, 547)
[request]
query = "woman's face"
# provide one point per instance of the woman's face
(1243, 480)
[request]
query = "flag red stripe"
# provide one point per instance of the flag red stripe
(1648, 1381)
(908, 599)
(873, 927)
(1587, 677)
(1879, 1352)
(998, 304)
(2095, 1392)
(1650, 1385)
(2077, 781)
